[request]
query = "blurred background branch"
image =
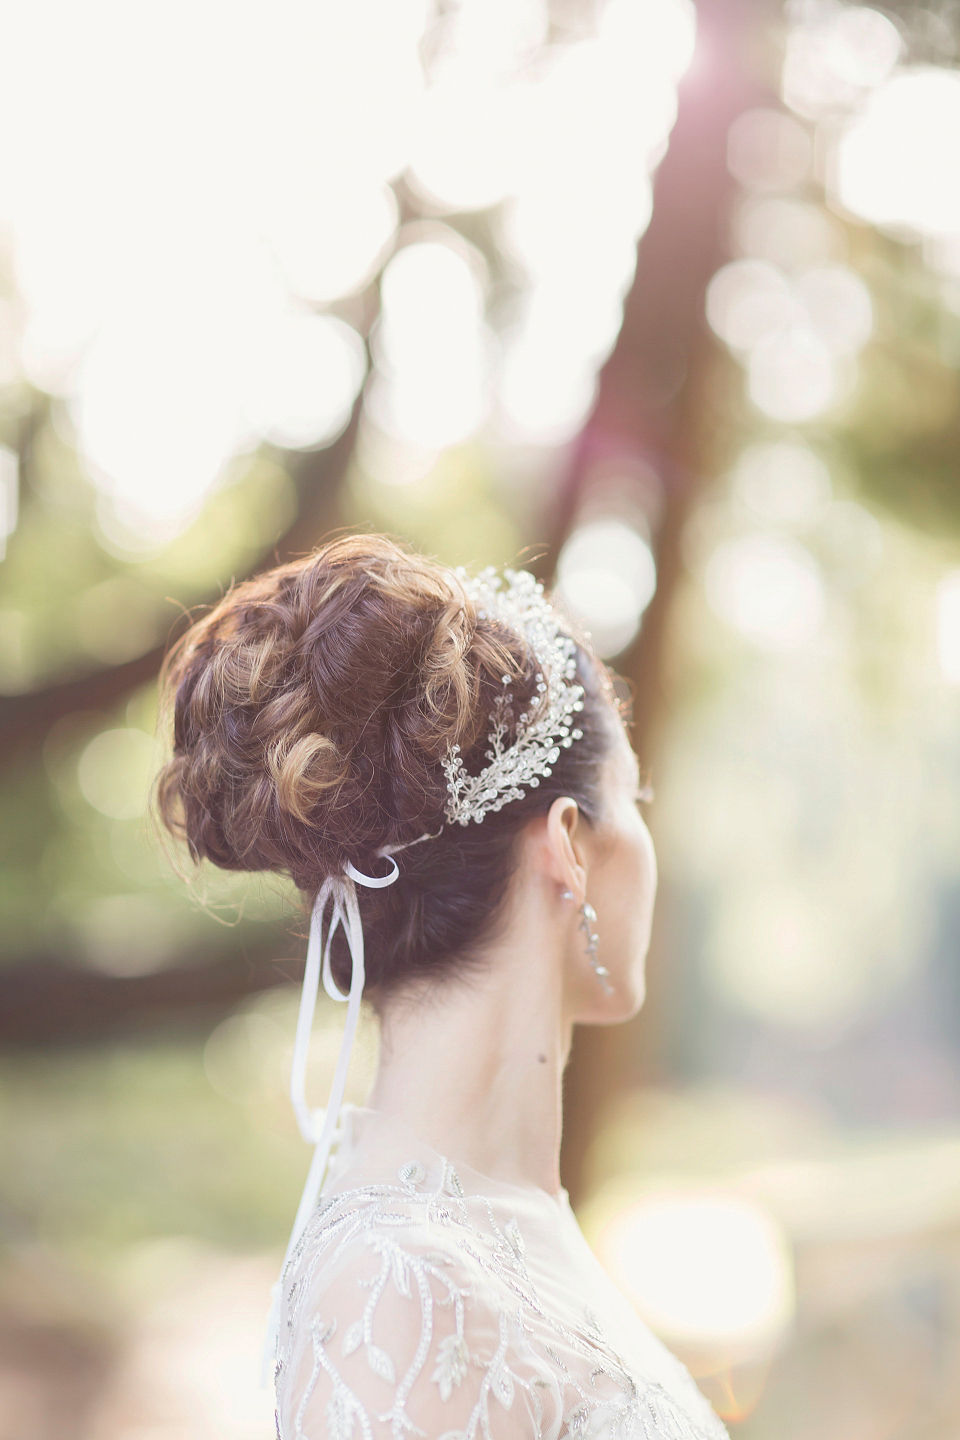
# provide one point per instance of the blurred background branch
(318, 478)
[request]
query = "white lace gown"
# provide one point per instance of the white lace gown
(424, 1299)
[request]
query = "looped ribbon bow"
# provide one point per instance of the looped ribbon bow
(316, 1126)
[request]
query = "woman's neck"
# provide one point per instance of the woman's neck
(475, 1066)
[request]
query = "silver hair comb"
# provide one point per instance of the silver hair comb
(545, 727)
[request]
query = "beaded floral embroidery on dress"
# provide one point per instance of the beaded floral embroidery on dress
(410, 1310)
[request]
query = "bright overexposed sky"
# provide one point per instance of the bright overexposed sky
(189, 188)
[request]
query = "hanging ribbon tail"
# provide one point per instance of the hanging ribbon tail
(341, 895)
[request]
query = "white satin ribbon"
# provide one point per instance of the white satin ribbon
(317, 1126)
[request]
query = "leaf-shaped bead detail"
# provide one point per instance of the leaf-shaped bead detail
(451, 1366)
(503, 1388)
(412, 1173)
(339, 1417)
(577, 1418)
(352, 1338)
(452, 1182)
(512, 1232)
(381, 1364)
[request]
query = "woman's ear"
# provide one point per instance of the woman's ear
(565, 855)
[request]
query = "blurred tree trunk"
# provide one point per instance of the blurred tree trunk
(648, 441)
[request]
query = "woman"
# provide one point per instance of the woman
(444, 774)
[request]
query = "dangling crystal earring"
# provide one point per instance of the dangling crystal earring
(588, 920)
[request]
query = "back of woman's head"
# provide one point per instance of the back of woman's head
(313, 709)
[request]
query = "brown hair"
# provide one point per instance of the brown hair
(312, 710)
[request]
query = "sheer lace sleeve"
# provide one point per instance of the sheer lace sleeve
(415, 1316)
(400, 1334)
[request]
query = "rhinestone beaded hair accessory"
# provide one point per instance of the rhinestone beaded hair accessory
(518, 601)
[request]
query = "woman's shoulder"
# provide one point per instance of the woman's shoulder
(413, 1303)
(400, 1215)
(357, 1233)
(391, 1317)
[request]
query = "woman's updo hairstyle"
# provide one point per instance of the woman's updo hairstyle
(312, 711)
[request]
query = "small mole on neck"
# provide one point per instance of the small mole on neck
(542, 1059)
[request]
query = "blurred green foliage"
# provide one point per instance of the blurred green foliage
(900, 435)
(110, 1146)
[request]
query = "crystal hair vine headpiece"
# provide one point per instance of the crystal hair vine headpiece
(542, 730)
(548, 723)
